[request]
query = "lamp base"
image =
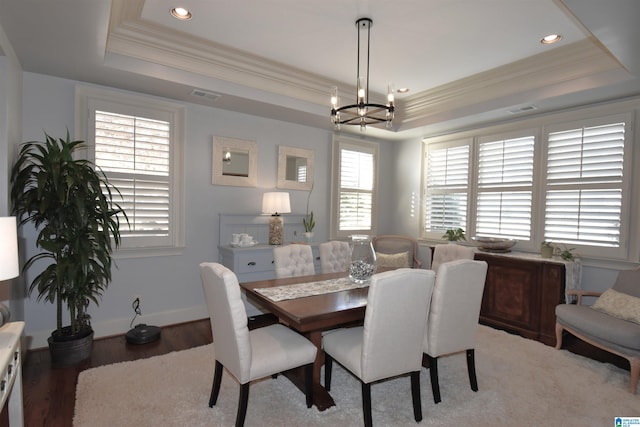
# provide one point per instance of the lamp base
(276, 230)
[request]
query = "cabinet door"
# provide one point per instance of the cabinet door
(511, 296)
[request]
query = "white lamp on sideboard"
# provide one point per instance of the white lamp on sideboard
(276, 203)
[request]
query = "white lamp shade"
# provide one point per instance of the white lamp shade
(9, 267)
(276, 203)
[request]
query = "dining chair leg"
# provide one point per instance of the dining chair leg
(308, 384)
(471, 367)
(433, 374)
(242, 404)
(328, 364)
(366, 405)
(415, 395)
(217, 380)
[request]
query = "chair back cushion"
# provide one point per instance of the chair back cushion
(394, 325)
(455, 307)
(450, 252)
(228, 319)
(397, 244)
(628, 282)
(334, 256)
(293, 260)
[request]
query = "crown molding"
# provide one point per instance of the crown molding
(570, 68)
(579, 60)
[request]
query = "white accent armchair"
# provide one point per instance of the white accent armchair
(393, 244)
(450, 252)
(453, 318)
(334, 256)
(390, 342)
(248, 355)
(293, 260)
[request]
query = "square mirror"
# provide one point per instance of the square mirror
(235, 162)
(295, 168)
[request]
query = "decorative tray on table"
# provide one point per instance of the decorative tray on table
(493, 244)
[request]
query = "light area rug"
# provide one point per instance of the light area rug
(521, 382)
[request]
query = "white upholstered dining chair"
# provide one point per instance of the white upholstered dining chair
(453, 319)
(334, 256)
(248, 355)
(390, 341)
(450, 252)
(293, 260)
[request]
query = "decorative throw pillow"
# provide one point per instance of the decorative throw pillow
(617, 304)
(398, 260)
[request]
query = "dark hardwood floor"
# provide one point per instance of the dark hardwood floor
(49, 393)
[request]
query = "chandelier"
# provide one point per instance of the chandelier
(362, 112)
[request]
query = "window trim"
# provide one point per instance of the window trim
(542, 125)
(338, 143)
(88, 99)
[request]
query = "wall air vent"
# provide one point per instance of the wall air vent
(201, 93)
(523, 109)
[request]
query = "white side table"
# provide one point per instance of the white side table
(11, 371)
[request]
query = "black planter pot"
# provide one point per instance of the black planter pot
(67, 349)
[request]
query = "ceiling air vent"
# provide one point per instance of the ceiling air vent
(201, 93)
(523, 109)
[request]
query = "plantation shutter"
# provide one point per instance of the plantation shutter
(134, 153)
(505, 188)
(447, 186)
(584, 185)
(356, 190)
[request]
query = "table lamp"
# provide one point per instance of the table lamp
(275, 203)
(9, 267)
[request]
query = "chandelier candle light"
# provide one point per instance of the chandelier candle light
(362, 112)
(276, 203)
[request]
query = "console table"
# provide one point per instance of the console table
(521, 294)
(11, 373)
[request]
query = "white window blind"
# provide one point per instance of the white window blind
(584, 185)
(356, 190)
(505, 188)
(447, 180)
(134, 153)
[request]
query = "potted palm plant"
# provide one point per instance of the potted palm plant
(69, 201)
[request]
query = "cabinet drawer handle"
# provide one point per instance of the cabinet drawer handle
(251, 263)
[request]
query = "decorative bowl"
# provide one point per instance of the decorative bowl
(493, 244)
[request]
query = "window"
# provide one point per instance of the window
(505, 187)
(585, 185)
(568, 182)
(447, 184)
(137, 143)
(354, 187)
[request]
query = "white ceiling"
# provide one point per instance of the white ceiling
(466, 62)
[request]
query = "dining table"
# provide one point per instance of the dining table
(311, 312)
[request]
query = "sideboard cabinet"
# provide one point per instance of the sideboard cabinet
(520, 295)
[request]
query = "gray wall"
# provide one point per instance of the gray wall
(170, 285)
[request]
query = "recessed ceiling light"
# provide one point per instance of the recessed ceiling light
(181, 13)
(403, 90)
(550, 39)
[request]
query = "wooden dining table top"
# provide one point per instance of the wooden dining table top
(316, 312)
